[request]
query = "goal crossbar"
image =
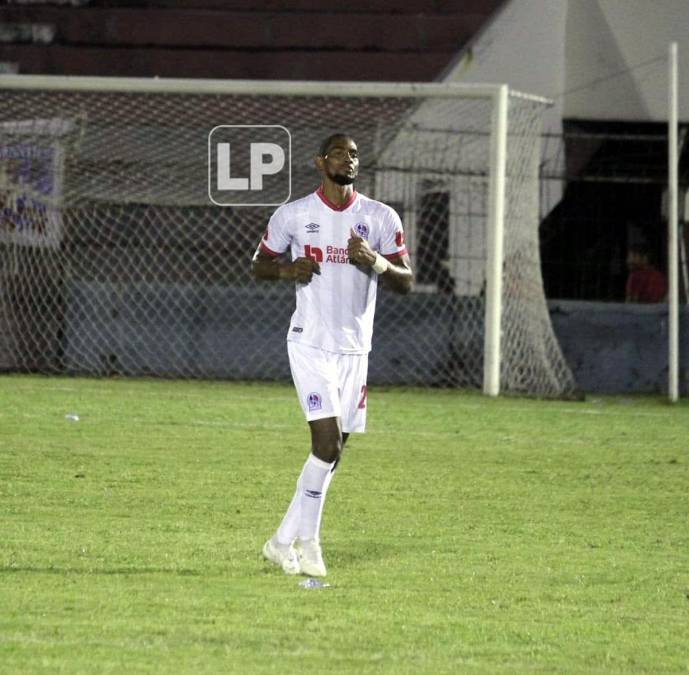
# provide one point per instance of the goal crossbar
(255, 87)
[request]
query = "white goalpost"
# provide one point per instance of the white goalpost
(494, 243)
(113, 258)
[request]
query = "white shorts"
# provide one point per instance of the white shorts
(330, 385)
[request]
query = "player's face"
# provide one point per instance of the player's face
(341, 162)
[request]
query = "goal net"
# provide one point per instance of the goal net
(114, 259)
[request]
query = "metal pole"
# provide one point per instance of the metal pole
(673, 278)
(495, 234)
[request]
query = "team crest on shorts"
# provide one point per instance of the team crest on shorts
(362, 230)
(314, 401)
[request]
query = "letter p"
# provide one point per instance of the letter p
(259, 168)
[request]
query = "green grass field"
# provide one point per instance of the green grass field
(462, 534)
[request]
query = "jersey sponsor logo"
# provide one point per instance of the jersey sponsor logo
(399, 238)
(313, 252)
(362, 230)
(331, 254)
(314, 401)
(336, 254)
(312, 227)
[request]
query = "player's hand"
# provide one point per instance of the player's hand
(303, 269)
(359, 251)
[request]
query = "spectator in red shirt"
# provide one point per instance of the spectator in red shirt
(644, 283)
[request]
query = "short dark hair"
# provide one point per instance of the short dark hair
(327, 142)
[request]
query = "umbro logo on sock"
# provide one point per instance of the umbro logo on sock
(313, 493)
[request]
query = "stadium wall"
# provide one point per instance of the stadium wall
(522, 44)
(597, 59)
(611, 348)
(607, 41)
(618, 348)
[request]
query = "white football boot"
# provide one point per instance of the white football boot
(310, 557)
(283, 555)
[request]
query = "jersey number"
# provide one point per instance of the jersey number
(362, 400)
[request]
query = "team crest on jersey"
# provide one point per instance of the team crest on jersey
(314, 401)
(362, 230)
(313, 227)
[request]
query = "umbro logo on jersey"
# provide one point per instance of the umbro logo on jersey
(313, 227)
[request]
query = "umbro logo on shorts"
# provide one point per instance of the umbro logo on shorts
(297, 329)
(314, 401)
(313, 227)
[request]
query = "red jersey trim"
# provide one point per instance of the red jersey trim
(392, 256)
(267, 250)
(332, 206)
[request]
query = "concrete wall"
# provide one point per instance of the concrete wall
(617, 347)
(523, 46)
(208, 332)
(583, 54)
(608, 37)
(239, 332)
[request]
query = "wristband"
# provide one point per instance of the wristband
(381, 265)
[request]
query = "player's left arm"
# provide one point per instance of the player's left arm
(396, 272)
(399, 276)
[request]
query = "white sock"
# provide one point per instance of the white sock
(326, 485)
(315, 479)
(289, 527)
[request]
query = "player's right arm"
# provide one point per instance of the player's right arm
(266, 267)
(268, 263)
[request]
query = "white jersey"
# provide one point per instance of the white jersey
(335, 309)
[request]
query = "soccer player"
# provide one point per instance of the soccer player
(341, 243)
